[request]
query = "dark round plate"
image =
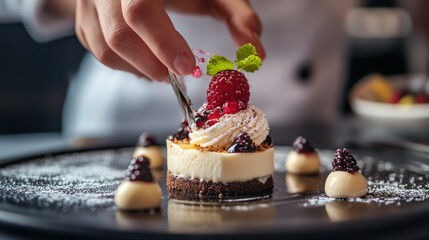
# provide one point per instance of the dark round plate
(72, 194)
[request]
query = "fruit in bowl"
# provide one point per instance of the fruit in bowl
(410, 91)
(391, 98)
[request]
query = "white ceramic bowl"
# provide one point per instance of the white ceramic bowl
(364, 104)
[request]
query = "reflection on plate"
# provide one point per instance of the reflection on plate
(194, 217)
(304, 184)
(343, 210)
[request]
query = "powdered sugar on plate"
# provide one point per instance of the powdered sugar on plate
(388, 183)
(87, 181)
(66, 182)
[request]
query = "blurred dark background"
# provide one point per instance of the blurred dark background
(34, 80)
(35, 76)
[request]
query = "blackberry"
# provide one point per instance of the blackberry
(268, 141)
(242, 143)
(146, 140)
(302, 145)
(208, 117)
(201, 118)
(182, 132)
(139, 170)
(344, 161)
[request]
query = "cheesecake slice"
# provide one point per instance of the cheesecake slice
(197, 171)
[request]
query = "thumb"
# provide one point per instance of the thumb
(243, 23)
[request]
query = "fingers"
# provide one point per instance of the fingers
(148, 19)
(78, 24)
(89, 33)
(126, 43)
(243, 23)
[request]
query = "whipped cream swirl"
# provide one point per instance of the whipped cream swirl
(222, 134)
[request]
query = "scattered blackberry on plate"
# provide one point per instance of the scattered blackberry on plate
(302, 145)
(139, 170)
(344, 161)
(146, 140)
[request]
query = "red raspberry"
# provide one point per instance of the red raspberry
(215, 113)
(233, 107)
(227, 86)
(212, 122)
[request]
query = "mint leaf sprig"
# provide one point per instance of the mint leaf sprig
(247, 60)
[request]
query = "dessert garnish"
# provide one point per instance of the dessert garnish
(302, 145)
(268, 141)
(197, 70)
(183, 131)
(139, 191)
(242, 143)
(228, 84)
(200, 60)
(146, 140)
(303, 159)
(345, 181)
(228, 91)
(201, 51)
(344, 161)
(148, 147)
(139, 170)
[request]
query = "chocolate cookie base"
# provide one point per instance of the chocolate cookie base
(202, 188)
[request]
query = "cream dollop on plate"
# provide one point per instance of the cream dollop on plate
(341, 184)
(136, 195)
(302, 163)
(153, 153)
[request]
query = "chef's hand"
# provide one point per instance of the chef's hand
(137, 36)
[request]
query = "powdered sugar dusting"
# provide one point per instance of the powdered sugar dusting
(381, 192)
(388, 183)
(87, 181)
(66, 182)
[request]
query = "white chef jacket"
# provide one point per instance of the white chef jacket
(297, 35)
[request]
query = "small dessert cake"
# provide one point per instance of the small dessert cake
(345, 181)
(227, 152)
(148, 147)
(139, 191)
(303, 159)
